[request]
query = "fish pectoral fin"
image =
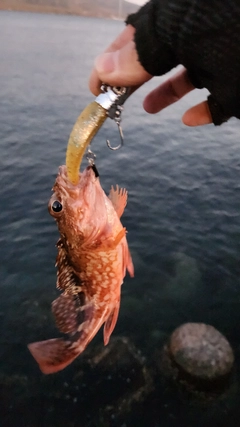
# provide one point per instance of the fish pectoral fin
(110, 244)
(110, 323)
(119, 236)
(53, 355)
(64, 311)
(71, 311)
(118, 198)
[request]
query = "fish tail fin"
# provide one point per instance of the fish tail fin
(53, 355)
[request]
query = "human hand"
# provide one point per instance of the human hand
(119, 66)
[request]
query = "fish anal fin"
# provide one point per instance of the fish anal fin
(118, 198)
(110, 323)
(53, 355)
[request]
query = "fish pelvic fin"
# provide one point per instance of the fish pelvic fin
(110, 323)
(53, 355)
(130, 266)
(127, 260)
(118, 198)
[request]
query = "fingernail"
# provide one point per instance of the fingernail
(105, 63)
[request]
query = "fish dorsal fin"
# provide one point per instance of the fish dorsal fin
(118, 198)
(110, 323)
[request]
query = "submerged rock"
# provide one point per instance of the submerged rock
(201, 351)
(184, 278)
(117, 378)
(101, 388)
(198, 356)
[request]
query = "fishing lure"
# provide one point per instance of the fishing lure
(108, 104)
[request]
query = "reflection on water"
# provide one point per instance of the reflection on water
(183, 229)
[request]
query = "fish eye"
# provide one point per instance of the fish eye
(56, 206)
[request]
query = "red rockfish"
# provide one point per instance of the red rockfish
(92, 259)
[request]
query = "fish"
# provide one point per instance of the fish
(92, 260)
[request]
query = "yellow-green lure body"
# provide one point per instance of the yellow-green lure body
(86, 126)
(107, 104)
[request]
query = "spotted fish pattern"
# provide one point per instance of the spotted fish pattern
(92, 260)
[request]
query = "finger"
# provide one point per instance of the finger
(119, 64)
(121, 67)
(198, 115)
(168, 92)
(124, 37)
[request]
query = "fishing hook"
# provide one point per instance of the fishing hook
(117, 119)
(112, 99)
(121, 139)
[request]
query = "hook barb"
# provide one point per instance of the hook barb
(121, 139)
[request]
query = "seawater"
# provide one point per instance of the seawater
(182, 218)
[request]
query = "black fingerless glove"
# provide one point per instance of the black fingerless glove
(202, 35)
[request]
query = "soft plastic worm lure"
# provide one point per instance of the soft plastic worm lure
(107, 104)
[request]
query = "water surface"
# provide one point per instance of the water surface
(182, 219)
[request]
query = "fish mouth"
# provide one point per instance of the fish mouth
(84, 193)
(89, 175)
(94, 168)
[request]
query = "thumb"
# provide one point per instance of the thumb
(198, 115)
(121, 67)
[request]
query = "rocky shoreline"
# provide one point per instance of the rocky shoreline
(100, 8)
